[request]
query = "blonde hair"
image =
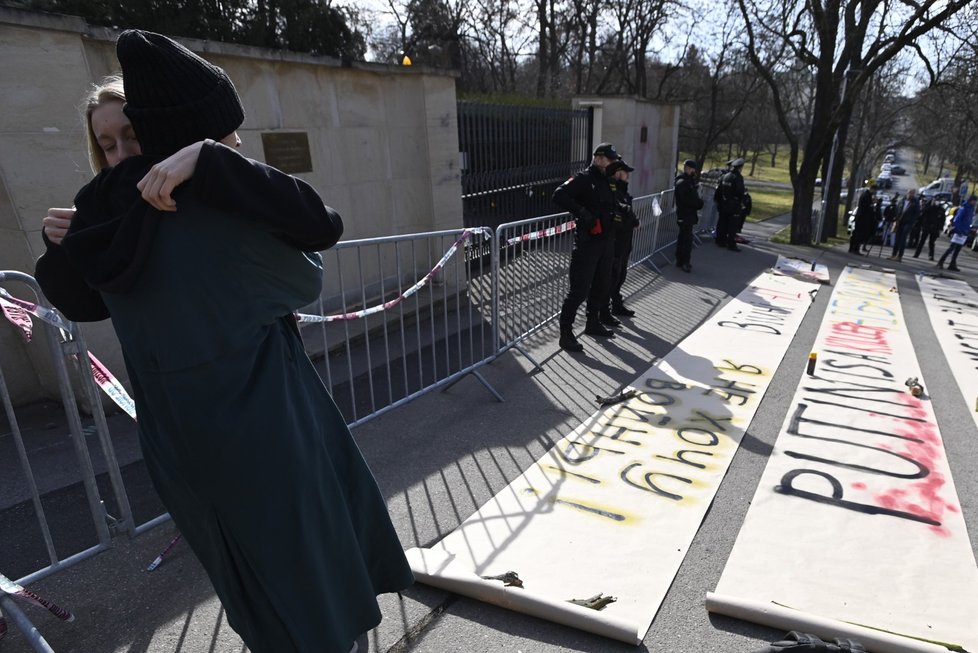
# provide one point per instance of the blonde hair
(110, 89)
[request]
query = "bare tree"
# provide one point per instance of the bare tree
(831, 38)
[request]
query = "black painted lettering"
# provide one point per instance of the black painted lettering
(660, 398)
(713, 420)
(711, 440)
(835, 364)
(749, 326)
(879, 360)
(681, 457)
(650, 486)
(788, 488)
(728, 390)
(746, 369)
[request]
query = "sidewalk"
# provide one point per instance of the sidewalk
(440, 457)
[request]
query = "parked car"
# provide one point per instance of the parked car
(884, 180)
(889, 158)
(897, 170)
(939, 189)
(886, 167)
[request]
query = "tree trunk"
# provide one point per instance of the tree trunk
(830, 228)
(543, 56)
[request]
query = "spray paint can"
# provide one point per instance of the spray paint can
(812, 358)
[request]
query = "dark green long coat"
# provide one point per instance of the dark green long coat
(243, 442)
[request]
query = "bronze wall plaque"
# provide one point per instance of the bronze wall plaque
(287, 151)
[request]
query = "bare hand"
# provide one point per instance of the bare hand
(56, 223)
(163, 178)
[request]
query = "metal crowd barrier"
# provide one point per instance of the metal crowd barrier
(63, 344)
(401, 316)
(529, 272)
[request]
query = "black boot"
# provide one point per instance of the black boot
(621, 309)
(595, 328)
(608, 319)
(569, 342)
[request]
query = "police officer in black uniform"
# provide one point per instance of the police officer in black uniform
(626, 222)
(730, 197)
(588, 196)
(688, 202)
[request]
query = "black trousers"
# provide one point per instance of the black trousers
(684, 242)
(590, 278)
(932, 237)
(619, 265)
(728, 224)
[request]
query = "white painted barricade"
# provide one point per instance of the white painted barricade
(612, 508)
(856, 529)
(952, 307)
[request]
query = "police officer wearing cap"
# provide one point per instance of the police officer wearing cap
(688, 202)
(730, 197)
(589, 198)
(625, 222)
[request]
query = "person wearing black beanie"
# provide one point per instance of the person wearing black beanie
(241, 439)
(173, 97)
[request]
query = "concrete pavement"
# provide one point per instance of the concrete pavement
(442, 456)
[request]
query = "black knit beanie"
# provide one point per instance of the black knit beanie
(173, 97)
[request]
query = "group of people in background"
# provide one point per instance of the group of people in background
(598, 199)
(909, 222)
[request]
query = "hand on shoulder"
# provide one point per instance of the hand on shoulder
(163, 178)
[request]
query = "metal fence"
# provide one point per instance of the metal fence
(399, 317)
(513, 157)
(56, 517)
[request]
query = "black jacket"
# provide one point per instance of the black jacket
(730, 192)
(588, 196)
(113, 229)
(625, 218)
(687, 198)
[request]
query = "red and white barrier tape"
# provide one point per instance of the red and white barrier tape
(542, 233)
(18, 312)
(303, 318)
(8, 586)
(159, 559)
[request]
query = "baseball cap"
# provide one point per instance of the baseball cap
(690, 163)
(618, 164)
(607, 150)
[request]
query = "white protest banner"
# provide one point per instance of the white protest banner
(952, 306)
(855, 529)
(606, 516)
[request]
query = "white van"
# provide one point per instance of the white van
(939, 189)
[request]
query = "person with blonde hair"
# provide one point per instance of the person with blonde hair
(109, 137)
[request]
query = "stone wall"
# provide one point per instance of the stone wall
(645, 133)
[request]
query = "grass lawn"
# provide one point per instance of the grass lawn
(762, 171)
(768, 203)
